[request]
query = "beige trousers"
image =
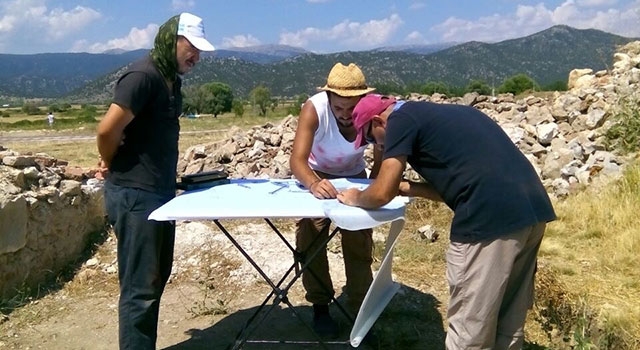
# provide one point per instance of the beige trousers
(491, 289)
(357, 251)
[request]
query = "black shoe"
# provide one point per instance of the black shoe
(325, 326)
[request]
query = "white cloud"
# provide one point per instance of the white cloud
(417, 5)
(353, 35)
(526, 20)
(596, 3)
(34, 20)
(61, 23)
(240, 41)
(415, 37)
(7, 23)
(183, 4)
(136, 39)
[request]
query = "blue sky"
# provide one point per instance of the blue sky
(321, 26)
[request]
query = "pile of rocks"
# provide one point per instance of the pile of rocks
(561, 135)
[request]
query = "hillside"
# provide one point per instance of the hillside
(547, 57)
(56, 74)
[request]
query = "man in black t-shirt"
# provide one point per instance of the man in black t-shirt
(138, 144)
(500, 208)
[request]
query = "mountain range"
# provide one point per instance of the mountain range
(547, 56)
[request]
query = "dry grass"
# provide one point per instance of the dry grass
(593, 250)
(588, 283)
(84, 153)
(78, 153)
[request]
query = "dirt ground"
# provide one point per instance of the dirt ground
(212, 293)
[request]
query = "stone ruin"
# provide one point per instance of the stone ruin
(48, 209)
(561, 135)
(48, 212)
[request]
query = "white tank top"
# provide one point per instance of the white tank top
(331, 153)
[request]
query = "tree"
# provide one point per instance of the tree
(211, 98)
(261, 97)
(297, 104)
(218, 98)
(390, 88)
(413, 87)
(517, 84)
(432, 87)
(194, 99)
(478, 86)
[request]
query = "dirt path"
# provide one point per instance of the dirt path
(55, 136)
(211, 294)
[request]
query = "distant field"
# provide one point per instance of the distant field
(84, 152)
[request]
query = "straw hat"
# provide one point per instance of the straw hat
(346, 81)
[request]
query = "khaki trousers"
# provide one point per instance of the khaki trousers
(357, 251)
(491, 289)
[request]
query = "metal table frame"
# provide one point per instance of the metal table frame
(271, 199)
(278, 292)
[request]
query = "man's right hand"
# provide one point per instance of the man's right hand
(323, 189)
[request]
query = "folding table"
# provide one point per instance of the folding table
(272, 199)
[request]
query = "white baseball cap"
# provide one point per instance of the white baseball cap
(191, 27)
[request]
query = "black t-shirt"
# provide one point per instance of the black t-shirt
(474, 166)
(148, 157)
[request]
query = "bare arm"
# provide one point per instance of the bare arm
(111, 130)
(299, 160)
(419, 189)
(382, 190)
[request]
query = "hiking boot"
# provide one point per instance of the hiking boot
(323, 324)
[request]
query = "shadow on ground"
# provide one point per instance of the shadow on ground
(410, 321)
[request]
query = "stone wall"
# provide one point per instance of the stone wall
(48, 212)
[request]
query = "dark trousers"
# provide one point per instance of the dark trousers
(145, 257)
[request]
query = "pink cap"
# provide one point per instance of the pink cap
(368, 107)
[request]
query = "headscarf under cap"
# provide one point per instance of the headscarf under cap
(164, 49)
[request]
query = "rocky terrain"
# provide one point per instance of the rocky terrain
(49, 210)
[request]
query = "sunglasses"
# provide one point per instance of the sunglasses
(368, 137)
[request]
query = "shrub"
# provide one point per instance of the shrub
(238, 108)
(31, 109)
(624, 134)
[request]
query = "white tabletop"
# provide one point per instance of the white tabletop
(262, 198)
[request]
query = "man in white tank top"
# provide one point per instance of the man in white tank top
(324, 149)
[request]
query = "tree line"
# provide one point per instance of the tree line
(217, 98)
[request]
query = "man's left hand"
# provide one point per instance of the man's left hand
(349, 197)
